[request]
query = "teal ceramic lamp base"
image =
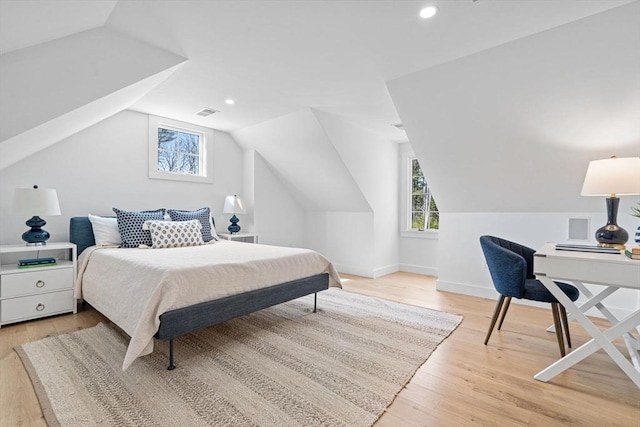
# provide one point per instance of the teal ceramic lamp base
(234, 227)
(36, 236)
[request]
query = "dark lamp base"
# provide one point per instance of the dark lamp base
(234, 228)
(612, 235)
(36, 236)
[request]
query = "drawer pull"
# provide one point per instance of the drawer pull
(40, 307)
(39, 284)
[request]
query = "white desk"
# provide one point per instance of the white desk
(613, 271)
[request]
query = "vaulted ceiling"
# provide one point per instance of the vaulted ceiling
(68, 64)
(276, 57)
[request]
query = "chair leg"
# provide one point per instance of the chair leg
(558, 325)
(496, 312)
(504, 312)
(565, 323)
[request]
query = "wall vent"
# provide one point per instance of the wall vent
(578, 229)
(206, 112)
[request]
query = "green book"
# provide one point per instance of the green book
(37, 265)
(631, 255)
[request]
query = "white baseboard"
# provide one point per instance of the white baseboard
(356, 271)
(383, 271)
(419, 269)
(465, 289)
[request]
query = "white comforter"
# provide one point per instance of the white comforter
(133, 287)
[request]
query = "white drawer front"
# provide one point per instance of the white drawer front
(24, 308)
(25, 283)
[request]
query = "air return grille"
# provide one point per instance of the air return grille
(206, 112)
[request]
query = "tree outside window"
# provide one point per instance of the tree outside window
(424, 211)
(178, 152)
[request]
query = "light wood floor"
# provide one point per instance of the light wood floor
(463, 383)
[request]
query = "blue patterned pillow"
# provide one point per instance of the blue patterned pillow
(203, 215)
(130, 226)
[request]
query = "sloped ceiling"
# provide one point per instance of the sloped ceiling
(513, 128)
(54, 89)
(301, 155)
(277, 59)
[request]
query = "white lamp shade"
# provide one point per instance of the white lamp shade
(233, 205)
(35, 202)
(619, 176)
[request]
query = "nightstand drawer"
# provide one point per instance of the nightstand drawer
(23, 308)
(26, 283)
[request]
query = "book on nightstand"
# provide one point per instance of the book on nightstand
(633, 253)
(36, 262)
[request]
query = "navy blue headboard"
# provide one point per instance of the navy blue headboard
(81, 232)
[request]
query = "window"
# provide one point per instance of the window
(179, 151)
(423, 208)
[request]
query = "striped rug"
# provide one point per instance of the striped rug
(283, 366)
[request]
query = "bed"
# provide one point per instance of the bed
(166, 293)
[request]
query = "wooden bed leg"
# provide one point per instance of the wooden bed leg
(171, 366)
(315, 301)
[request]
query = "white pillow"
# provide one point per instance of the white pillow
(105, 230)
(213, 230)
(174, 234)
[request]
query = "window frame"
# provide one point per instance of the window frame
(205, 151)
(406, 222)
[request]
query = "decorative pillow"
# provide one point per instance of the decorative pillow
(105, 230)
(130, 226)
(203, 215)
(174, 234)
(212, 224)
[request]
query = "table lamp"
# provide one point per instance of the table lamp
(617, 176)
(233, 205)
(35, 201)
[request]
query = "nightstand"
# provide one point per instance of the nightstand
(36, 292)
(240, 237)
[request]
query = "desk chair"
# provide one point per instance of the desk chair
(511, 268)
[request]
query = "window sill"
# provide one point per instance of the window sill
(415, 234)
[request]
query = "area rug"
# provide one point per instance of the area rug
(283, 366)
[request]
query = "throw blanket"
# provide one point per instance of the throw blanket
(133, 287)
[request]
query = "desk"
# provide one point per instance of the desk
(612, 271)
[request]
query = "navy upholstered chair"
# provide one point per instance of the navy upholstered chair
(511, 268)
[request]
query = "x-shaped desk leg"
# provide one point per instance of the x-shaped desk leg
(600, 339)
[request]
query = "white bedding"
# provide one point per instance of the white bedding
(133, 287)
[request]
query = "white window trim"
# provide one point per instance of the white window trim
(406, 156)
(206, 135)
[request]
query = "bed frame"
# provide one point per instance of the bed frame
(176, 323)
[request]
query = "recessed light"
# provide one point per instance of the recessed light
(229, 101)
(428, 12)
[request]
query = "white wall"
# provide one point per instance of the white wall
(342, 177)
(370, 160)
(345, 238)
(106, 166)
(278, 217)
(462, 260)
